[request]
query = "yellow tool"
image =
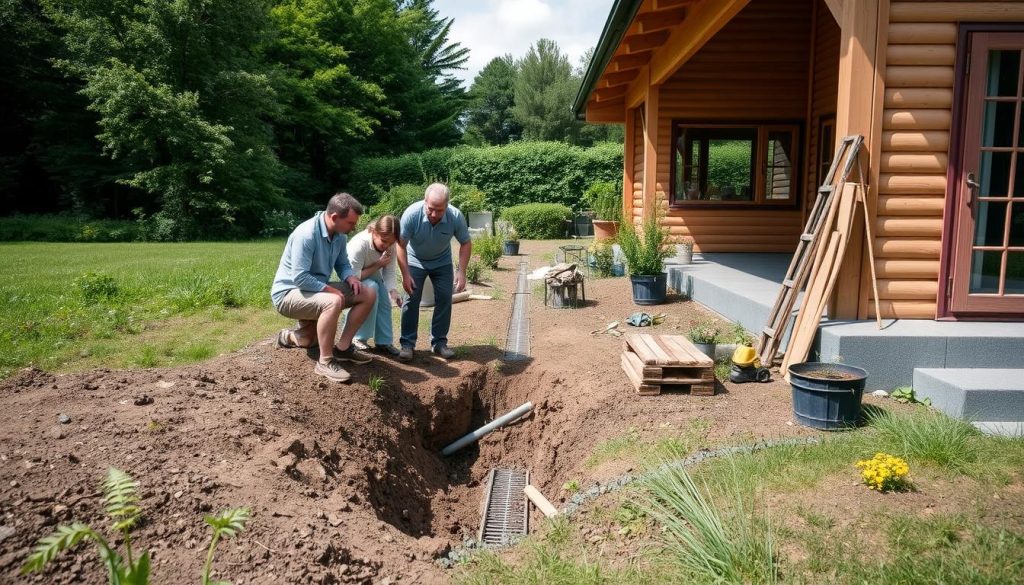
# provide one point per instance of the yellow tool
(746, 366)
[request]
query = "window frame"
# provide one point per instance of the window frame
(762, 128)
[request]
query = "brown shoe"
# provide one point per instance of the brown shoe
(332, 370)
(351, 355)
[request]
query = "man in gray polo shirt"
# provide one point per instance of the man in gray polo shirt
(301, 289)
(425, 251)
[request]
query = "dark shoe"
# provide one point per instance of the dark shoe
(442, 350)
(332, 370)
(388, 350)
(405, 354)
(360, 345)
(351, 355)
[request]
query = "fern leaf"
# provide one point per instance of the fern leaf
(65, 537)
(229, 522)
(121, 499)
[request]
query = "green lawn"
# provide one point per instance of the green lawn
(795, 514)
(74, 306)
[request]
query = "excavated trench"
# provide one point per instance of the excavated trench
(422, 493)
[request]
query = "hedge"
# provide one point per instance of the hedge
(538, 221)
(68, 228)
(521, 172)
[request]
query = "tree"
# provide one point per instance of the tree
(490, 119)
(326, 107)
(183, 103)
(544, 90)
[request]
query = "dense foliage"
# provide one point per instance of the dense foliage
(521, 172)
(537, 221)
(218, 119)
(198, 118)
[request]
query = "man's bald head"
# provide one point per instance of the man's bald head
(435, 202)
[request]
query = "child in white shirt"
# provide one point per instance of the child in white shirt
(372, 255)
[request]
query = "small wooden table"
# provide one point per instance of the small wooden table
(652, 362)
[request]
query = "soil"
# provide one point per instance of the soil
(345, 484)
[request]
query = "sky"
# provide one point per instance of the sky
(492, 28)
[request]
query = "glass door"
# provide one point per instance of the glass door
(988, 271)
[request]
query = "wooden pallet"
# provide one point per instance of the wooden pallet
(652, 362)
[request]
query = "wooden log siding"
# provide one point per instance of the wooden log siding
(824, 93)
(637, 172)
(916, 121)
(755, 69)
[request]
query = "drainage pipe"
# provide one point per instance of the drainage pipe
(487, 428)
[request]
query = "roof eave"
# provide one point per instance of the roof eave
(621, 16)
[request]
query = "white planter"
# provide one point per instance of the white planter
(481, 220)
(684, 253)
(427, 298)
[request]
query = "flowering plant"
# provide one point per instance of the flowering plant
(703, 331)
(885, 472)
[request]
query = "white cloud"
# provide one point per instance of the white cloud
(492, 28)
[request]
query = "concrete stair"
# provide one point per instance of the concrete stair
(991, 399)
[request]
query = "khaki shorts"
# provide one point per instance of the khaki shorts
(307, 306)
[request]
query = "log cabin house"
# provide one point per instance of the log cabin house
(769, 87)
(784, 79)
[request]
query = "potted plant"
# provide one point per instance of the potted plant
(602, 257)
(511, 240)
(472, 202)
(605, 199)
(645, 250)
(827, 395)
(684, 250)
(704, 334)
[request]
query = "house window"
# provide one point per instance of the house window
(734, 165)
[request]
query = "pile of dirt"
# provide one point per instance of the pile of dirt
(346, 485)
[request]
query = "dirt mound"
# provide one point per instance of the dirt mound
(346, 484)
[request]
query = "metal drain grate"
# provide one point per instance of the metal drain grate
(506, 515)
(517, 337)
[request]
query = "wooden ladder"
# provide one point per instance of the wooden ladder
(807, 248)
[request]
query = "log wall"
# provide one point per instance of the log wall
(824, 89)
(754, 69)
(917, 115)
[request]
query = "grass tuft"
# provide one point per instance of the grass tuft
(927, 436)
(721, 545)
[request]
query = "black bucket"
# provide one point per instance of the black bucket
(649, 289)
(827, 396)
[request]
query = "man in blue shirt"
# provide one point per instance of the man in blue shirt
(302, 290)
(425, 250)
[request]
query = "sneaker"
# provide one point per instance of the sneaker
(405, 354)
(360, 345)
(351, 355)
(387, 350)
(442, 350)
(332, 370)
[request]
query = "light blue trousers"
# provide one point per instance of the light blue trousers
(378, 323)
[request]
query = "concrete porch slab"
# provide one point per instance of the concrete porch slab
(740, 287)
(892, 353)
(993, 399)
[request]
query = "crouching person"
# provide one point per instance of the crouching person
(371, 253)
(302, 289)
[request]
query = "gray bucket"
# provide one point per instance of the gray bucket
(827, 396)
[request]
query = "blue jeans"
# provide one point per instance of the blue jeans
(378, 322)
(442, 278)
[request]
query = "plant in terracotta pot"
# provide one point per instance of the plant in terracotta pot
(645, 250)
(704, 334)
(605, 199)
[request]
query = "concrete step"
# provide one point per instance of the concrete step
(992, 399)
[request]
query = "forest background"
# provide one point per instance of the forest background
(226, 119)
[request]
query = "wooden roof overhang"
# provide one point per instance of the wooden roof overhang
(642, 44)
